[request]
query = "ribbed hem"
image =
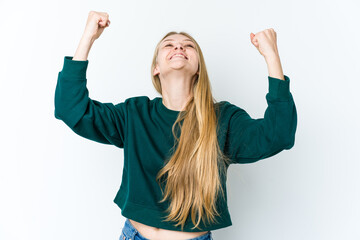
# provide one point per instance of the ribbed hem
(153, 217)
(74, 68)
(279, 88)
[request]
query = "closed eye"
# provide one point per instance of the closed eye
(186, 45)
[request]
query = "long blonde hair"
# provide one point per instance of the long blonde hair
(193, 172)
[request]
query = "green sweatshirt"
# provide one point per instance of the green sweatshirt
(142, 127)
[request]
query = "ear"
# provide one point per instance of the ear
(156, 71)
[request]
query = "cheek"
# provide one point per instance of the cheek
(197, 61)
(161, 57)
(195, 57)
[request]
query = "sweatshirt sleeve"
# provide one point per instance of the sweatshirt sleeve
(250, 140)
(91, 119)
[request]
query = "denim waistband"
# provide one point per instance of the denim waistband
(130, 232)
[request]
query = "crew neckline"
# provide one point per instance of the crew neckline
(166, 110)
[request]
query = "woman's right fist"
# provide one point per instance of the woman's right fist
(96, 23)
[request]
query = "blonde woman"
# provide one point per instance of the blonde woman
(177, 147)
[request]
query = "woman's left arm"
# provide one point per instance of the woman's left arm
(249, 140)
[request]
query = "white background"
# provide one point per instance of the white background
(57, 185)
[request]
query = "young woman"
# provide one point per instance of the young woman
(178, 147)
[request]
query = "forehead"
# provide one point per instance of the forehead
(176, 37)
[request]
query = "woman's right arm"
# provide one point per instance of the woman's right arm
(100, 122)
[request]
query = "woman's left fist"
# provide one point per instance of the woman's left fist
(265, 42)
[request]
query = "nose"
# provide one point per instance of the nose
(179, 45)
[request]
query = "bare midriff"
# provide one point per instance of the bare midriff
(154, 233)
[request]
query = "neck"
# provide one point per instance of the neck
(176, 90)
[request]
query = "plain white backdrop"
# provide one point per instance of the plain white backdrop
(57, 185)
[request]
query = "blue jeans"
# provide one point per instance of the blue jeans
(129, 232)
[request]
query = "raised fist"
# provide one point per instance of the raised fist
(96, 23)
(265, 42)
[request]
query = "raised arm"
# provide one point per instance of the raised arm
(248, 139)
(100, 122)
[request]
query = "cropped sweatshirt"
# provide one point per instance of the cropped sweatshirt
(143, 128)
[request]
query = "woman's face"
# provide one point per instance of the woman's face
(177, 52)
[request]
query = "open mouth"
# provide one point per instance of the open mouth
(178, 55)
